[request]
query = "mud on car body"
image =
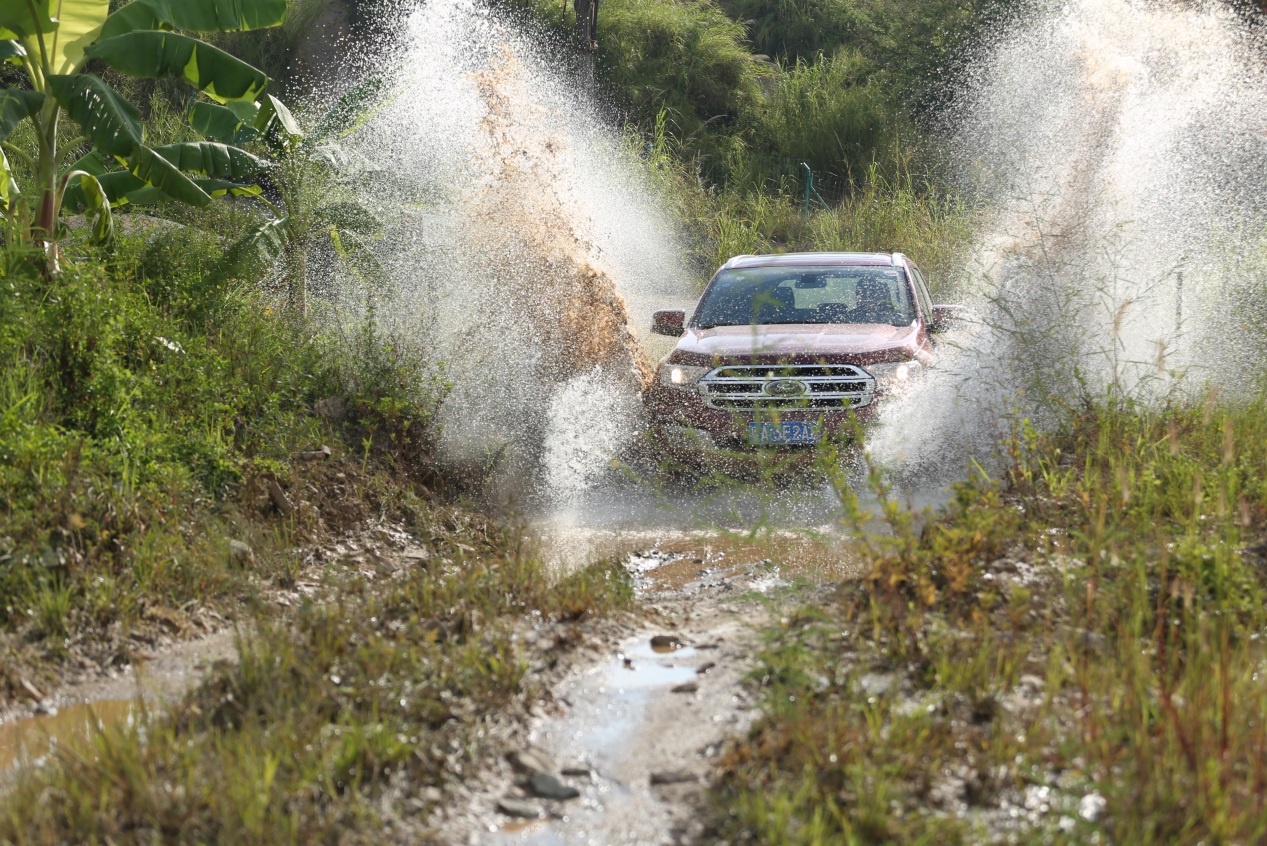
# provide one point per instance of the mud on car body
(782, 350)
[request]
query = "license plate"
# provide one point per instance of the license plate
(791, 433)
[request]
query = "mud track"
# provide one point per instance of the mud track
(636, 724)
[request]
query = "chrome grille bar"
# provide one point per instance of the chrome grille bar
(819, 387)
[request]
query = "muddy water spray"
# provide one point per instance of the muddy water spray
(1118, 149)
(531, 233)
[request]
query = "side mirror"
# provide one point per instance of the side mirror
(669, 321)
(945, 316)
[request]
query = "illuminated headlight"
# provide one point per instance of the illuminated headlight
(681, 376)
(894, 372)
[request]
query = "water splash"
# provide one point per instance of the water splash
(1117, 147)
(530, 231)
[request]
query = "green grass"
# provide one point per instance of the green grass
(1087, 626)
(144, 397)
(338, 718)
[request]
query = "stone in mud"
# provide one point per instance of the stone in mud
(548, 786)
(673, 777)
(531, 761)
(240, 552)
(687, 687)
(666, 642)
(521, 808)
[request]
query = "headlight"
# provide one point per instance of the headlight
(894, 372)
(682, 376)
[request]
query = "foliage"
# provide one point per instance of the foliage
(1087, 628)
(53, 40)
(340, 722)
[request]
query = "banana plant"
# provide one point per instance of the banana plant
(311, 201)
(54, 39)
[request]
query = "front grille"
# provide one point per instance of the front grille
(821, 387)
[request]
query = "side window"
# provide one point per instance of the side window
(921, 290)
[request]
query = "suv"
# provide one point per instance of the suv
(782, 350)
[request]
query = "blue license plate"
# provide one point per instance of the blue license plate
(791, 433)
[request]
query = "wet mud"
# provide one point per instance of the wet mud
(636, 732)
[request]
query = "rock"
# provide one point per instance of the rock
(320, 454)
(687, 687)
(705, 668)
(278, 498)
(666, 643)
(31, 690)
(1032, 682)
(522, 808)
(548, 786)
(578, 771)
(241, 553)
(673, 777)
(43, 710)
(876, 684)
(531, 761)
(416, 554)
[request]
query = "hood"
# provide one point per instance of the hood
(801, 339)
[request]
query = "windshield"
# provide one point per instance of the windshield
(774, 295)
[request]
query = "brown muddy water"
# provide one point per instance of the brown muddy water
(35, 739)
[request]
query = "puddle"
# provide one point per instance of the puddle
(650, 668)
(33, 740)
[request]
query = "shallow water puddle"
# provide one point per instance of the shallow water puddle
(605, 731)
(33, 740)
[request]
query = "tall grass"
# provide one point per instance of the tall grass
(1069, 654)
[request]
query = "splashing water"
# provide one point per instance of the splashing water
(530, 233)
(1117, 147)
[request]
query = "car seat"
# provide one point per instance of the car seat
(873, 302)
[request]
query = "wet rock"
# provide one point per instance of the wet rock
(705, 668)
(666, 643)
(531, 760)
(548, 786)
(241, 553)
(521, 808)
(673, 777)
(578, 771)
(687, 687)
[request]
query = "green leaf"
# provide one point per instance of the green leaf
(8, 187)
(274, 112)
(16, 105)
(165, 54)
(97, 210)
(78, 25)
(163, 175)
(25, 18)
(364, 265)
(117, 185)
(216, 121)
(195, 16)
(351, 217)
(212, 187)
(212, 159)
(12, 52)
(355, 108)
(92, 163)
(113, 124)
(259, 249)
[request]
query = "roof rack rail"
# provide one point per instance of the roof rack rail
(898, 257)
